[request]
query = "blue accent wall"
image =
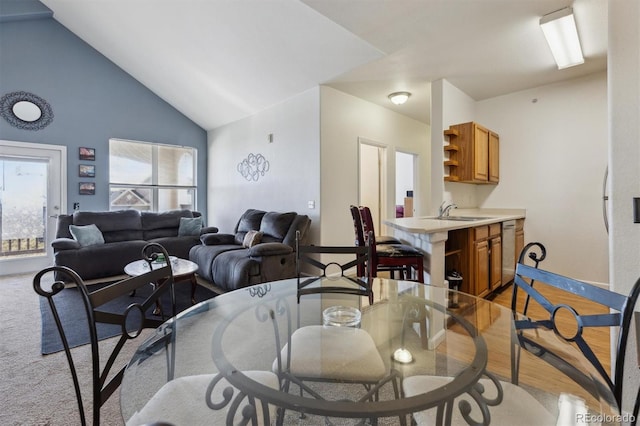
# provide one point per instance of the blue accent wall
(92, 99)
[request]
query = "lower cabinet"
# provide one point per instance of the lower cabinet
(480, 268)
(476, 253)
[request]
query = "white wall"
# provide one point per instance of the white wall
(293, 178)
(624, 159)
(345, 118)
(553, 155)
(450, 106)
(552, 161)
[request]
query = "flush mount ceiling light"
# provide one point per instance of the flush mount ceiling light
(399, 98)
(560, 30)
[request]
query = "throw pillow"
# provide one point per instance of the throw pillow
(190, 226)
(251, 239)
(87, 235)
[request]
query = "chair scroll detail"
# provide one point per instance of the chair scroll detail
(135, 317)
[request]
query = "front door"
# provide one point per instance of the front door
(32, 195)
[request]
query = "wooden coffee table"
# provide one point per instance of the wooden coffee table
(183, 270)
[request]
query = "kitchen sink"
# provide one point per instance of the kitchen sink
(460, 218)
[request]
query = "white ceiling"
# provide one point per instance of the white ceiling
(218, 61)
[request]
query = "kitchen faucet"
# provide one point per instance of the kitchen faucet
(444, 209)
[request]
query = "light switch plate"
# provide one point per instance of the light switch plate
(636, 210)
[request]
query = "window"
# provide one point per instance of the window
(150, 176)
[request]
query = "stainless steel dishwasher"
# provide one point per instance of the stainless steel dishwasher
(508, 251)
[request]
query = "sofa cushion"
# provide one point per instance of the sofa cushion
(249, 221)
(121, 225)
(103, 260)
(178, 246)
(275, 226)
(163, 224)
(234, 269)
(87, 235)
(251, 239)
(204, 256)
(189, 226)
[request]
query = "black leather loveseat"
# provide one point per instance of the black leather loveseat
(123, 235)
(260, 249)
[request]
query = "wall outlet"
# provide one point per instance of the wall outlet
(76, 206)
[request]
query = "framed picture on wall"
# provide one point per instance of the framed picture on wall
(87, 154)
(87, 170)
(87, 188)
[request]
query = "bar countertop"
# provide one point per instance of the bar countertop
(430, 225)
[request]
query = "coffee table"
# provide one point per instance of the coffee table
(183, 270)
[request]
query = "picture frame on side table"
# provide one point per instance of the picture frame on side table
(87, 154)
(87, 188)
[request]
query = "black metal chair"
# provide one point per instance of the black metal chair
(511, 402)
(316, 352)
(135, 317)
(308, 258)
(619, 308)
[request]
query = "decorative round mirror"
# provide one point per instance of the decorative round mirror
(26, 111)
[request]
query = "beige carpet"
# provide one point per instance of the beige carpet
(37, 389)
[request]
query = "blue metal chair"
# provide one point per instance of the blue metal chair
(620, 308)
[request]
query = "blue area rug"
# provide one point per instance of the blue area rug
(74, 320)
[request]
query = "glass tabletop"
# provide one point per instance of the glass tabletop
(407, 333)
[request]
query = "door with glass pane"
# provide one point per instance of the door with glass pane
(32, 192)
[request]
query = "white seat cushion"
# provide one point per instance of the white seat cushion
(182, 401)
(333, 353)
(518, 407)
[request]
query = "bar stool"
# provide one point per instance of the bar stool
(390, 257)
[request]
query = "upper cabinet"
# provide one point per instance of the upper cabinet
(473, 154)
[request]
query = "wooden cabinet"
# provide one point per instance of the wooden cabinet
(486, 259)
(472, 155)
(495, 260)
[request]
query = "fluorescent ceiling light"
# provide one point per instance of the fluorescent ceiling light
(399, 98)
(561, 33)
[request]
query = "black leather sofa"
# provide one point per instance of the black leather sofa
(125, 233)
(229, 262)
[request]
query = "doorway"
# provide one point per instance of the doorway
(405, 183)
(32, 194)
(372, 179)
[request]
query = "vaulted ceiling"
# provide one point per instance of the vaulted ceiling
(218, 61)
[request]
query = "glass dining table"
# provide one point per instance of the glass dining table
(406, 352)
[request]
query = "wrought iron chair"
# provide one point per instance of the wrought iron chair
(316, 352)
(309, 257)
(619, 312)
(135, 318)
(512, 404)
(391, 257)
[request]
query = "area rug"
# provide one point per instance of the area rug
(74, 320)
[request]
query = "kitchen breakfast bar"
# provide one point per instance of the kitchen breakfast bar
(481, 244)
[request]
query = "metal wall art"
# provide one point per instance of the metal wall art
(254, 166)
(26, 111)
